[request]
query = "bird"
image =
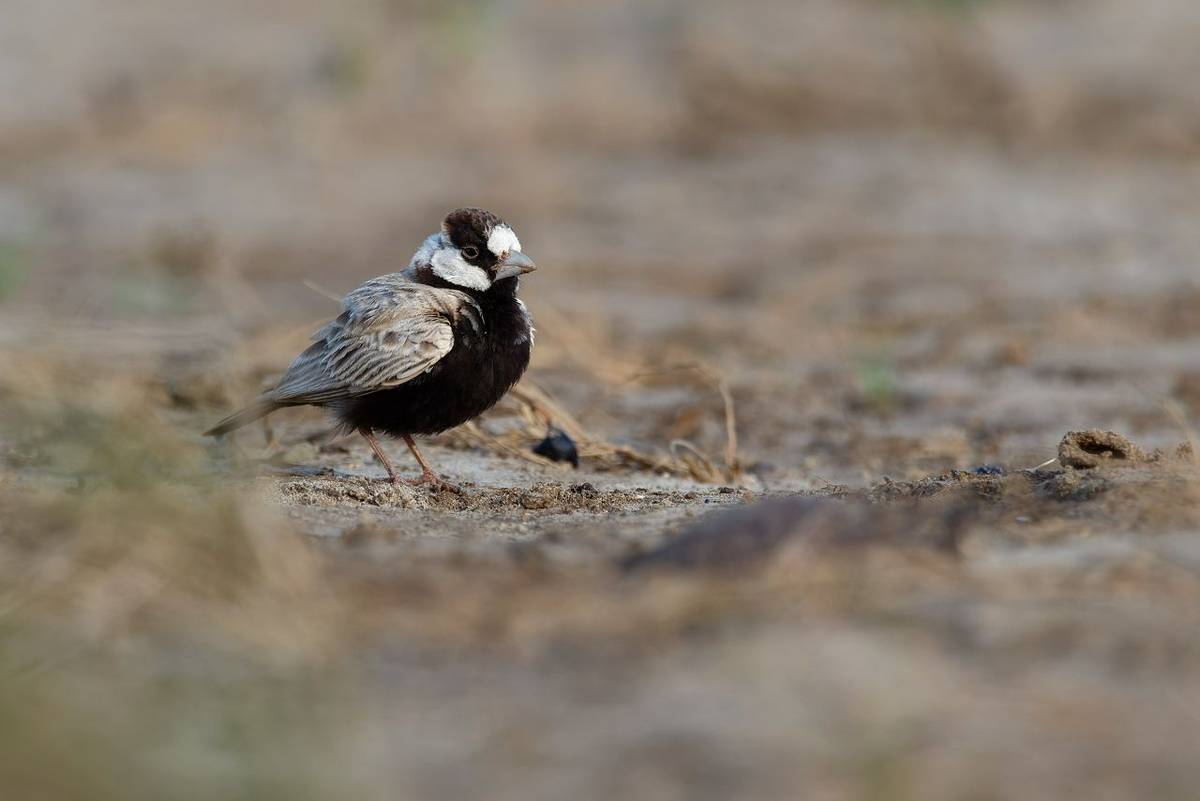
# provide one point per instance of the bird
(418, 351)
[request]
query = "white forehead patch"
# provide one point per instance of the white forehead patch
(502, 240)
(449, 264)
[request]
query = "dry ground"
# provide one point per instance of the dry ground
(823, 286)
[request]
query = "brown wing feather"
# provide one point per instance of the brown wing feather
(391, 331)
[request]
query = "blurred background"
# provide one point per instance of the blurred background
(899, 237)
(899, 198)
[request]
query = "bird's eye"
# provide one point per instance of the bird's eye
(470, 252)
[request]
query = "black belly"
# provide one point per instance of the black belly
(468, 381)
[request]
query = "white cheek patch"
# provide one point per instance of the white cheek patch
(449, 264)
(502, 240)
(424, 254)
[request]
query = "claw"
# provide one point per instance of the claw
(433, 481)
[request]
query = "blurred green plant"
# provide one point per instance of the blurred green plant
(175, 267)
(879, 388)
(137, 294)
(99, 724)
(948, 7)
(461, 27)
(14, 268)
(344, 66)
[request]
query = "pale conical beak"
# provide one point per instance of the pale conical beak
(515, 263)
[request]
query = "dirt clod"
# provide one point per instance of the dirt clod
(1084, 450)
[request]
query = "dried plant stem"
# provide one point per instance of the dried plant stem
(541, 410)
(322, 291)
(1178, 415)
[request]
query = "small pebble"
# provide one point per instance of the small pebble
(558, 447)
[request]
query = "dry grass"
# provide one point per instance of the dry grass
(538, 412)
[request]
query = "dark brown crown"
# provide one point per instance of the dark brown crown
(470, 226)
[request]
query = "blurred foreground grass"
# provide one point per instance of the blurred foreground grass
(162, 634)
(166, 635)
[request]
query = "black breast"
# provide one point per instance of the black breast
(468, 380)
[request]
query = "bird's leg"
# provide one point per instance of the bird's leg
(369, 436)
(427, 474)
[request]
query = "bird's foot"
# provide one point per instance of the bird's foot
(431, 480)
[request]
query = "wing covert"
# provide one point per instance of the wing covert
(391, 331)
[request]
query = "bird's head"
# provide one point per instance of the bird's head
(474, 250)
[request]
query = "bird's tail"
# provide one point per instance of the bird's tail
(260, 408)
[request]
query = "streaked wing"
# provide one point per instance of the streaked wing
(391, 330)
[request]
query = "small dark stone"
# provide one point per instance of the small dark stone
(558, 447)
(989, 470)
